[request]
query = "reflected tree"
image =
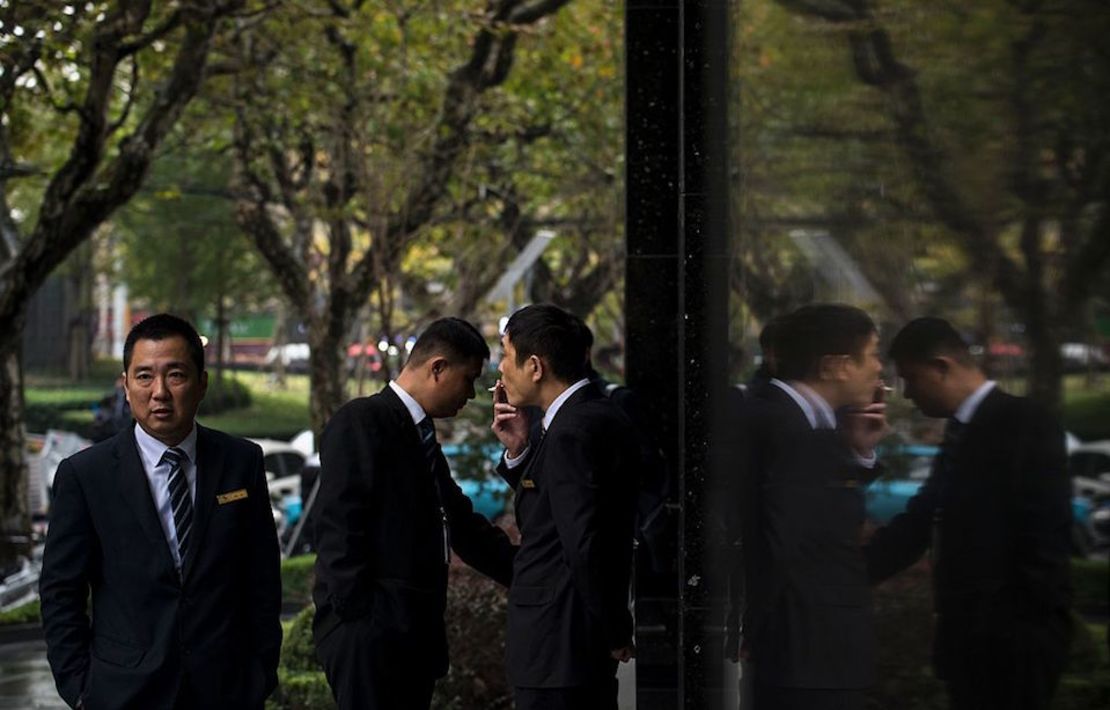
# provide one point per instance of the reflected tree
(999, 110)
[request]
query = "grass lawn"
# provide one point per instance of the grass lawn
(273, 412)
(1087, 408)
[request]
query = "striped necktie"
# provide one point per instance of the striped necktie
(430, 446)
(428, 443)
(180, 501)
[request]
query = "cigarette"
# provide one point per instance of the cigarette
(492, 389)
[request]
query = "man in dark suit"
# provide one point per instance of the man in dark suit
(167, 527)
(807, 626)
(739, 398)
(996, 511)
(575, 493)
(388, 516)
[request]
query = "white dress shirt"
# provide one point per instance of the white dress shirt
(548, 417)
(158, 478)
(415, 410)
(969, 406)
(818, 412)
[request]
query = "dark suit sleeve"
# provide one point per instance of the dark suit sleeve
(68, 561)
(594, 529)
(1044, 516)
(479, 543)
(902, 541)
(343, 523)
(264, 589)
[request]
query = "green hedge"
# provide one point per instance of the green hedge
(904, 613)
(225, 394)
(296, 580)
(28, 613)
(1090, 580)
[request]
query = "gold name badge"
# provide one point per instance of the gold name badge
(528, 483)
(231, 496)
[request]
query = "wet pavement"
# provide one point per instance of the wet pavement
(26, 683)
(25, 680)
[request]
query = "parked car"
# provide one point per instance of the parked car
(283, 463)
(887, 496)
(1079, 357)
(1090, 460)
(1089, 466)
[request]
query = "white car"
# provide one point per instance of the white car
(1091, 461)
(283, 463)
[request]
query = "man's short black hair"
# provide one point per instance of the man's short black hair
(772, 331)
(557, 336)
(812, 332)
(160, 327)
(923, 339)
(453, 338)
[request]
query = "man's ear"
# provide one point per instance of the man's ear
(437, 366)
(832, 367)
(942, 364)
(536, 363)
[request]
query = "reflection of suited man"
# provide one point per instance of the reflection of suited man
(387, 511)
(808, 618)
(168, 525)
(569, 621)
(996, 509)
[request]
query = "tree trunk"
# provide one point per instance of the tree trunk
(13, 464)
(221, 329)
(325, 371)
(281, 329)
(360, 361)
(1046, 367)
(986, 335)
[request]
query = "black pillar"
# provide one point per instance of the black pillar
(676, 302)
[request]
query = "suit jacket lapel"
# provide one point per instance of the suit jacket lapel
(403, 419)
(565, 413)
(210, 465)
(134, 487)
(786, 402)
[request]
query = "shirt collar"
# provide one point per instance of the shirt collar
(549, 415)
(817, 411)
(969, 406)
(151, 449)
(415, 410)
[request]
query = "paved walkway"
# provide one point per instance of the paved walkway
(25, 680)
(26, 683)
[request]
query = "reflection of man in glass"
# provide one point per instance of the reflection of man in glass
(996, 510)
(808, 622)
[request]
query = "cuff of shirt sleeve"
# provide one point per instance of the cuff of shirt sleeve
(511, 462)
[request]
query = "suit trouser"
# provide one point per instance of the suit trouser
(601, 696)
(772, 697)
(364, 675)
